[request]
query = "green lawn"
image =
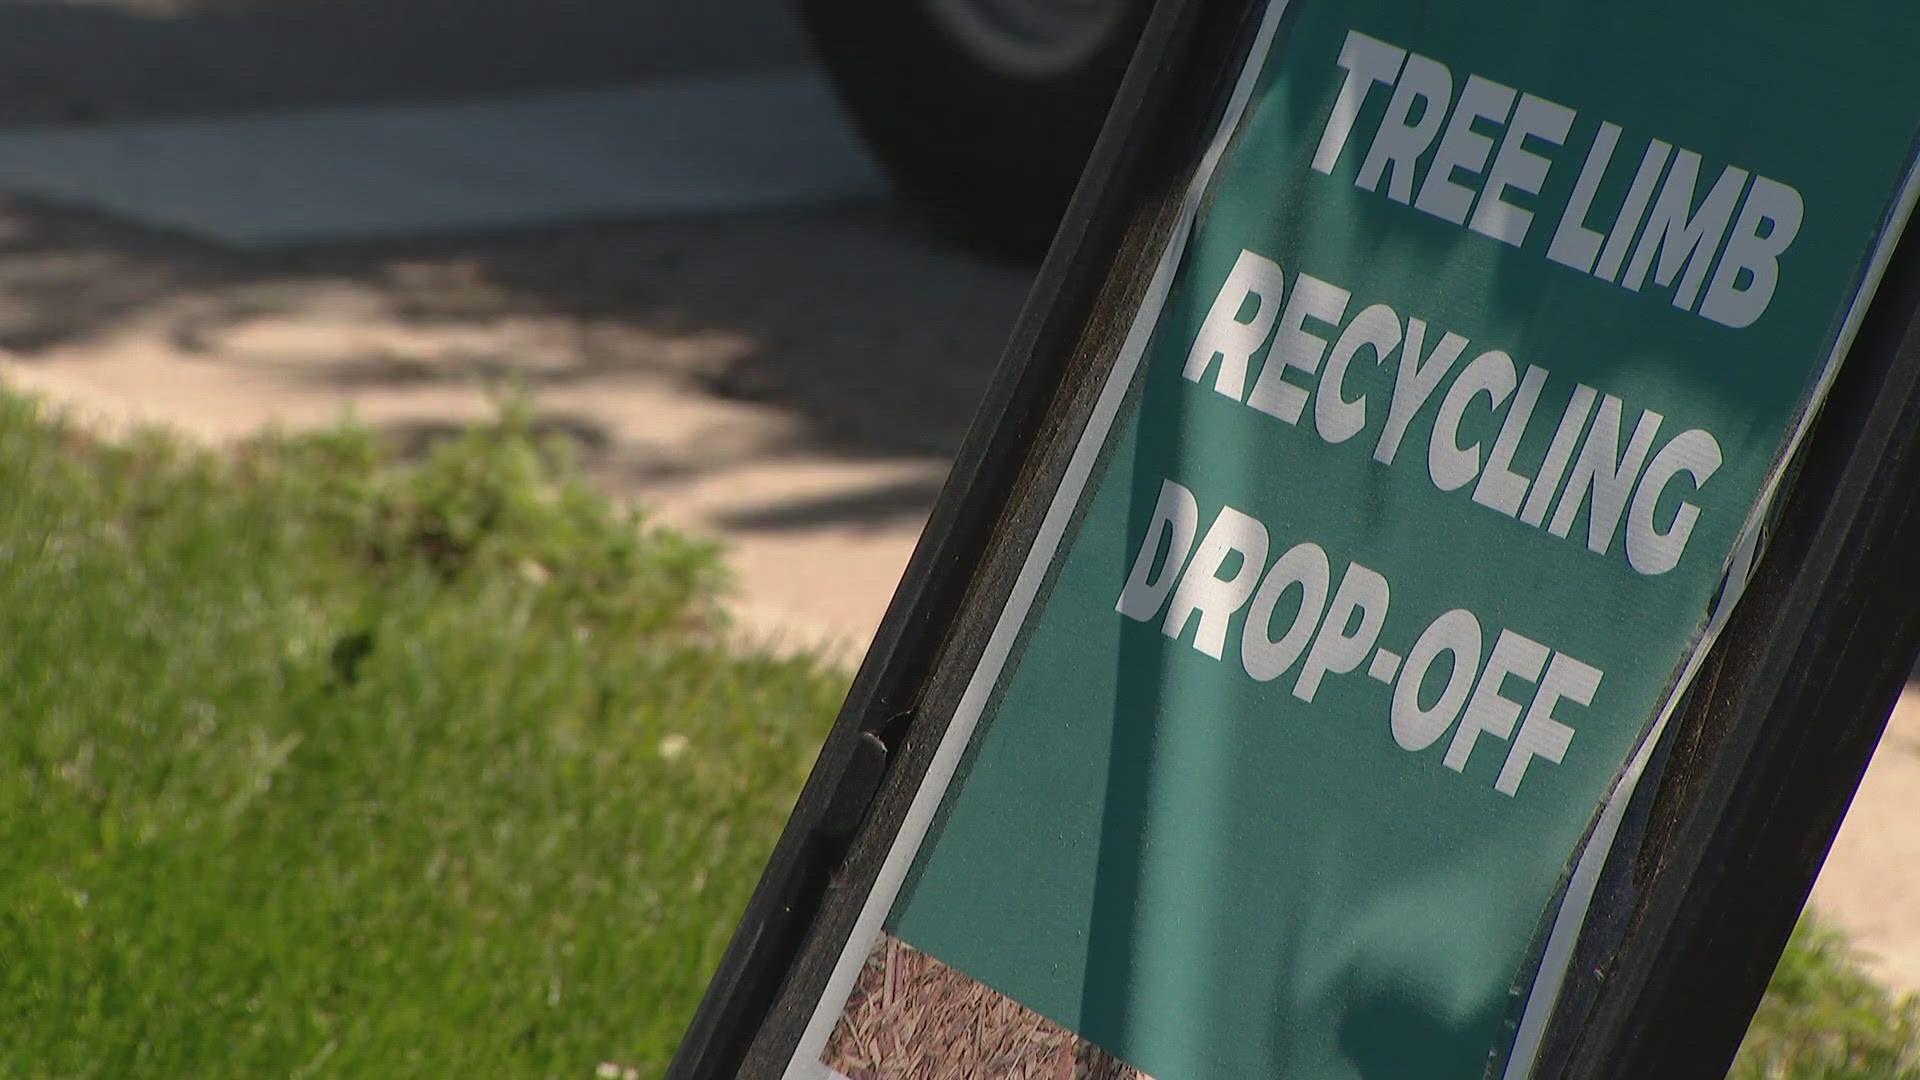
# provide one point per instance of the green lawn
(314, 764)
(311, 766)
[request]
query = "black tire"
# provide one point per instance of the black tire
(994, 152)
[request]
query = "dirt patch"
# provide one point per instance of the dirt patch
(911, 1017)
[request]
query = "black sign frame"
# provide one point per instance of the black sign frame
(1721, 845)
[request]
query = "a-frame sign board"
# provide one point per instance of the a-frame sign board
(1427, 580)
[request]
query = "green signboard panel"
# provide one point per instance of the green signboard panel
(1437, 448)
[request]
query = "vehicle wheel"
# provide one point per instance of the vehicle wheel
(985, 109)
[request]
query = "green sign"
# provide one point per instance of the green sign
(1414, 497)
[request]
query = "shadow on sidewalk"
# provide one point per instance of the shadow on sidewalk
(863, 336)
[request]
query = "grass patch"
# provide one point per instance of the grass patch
(312, 764)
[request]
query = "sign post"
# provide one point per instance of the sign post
(1427, 583)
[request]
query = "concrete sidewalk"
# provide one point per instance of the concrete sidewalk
(487, 162)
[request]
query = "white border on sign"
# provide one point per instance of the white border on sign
(806, 1063)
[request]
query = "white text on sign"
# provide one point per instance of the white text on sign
(1429, 151)
(1585, 466)
(1334, 628)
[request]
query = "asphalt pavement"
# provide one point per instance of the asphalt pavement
(94, 61)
